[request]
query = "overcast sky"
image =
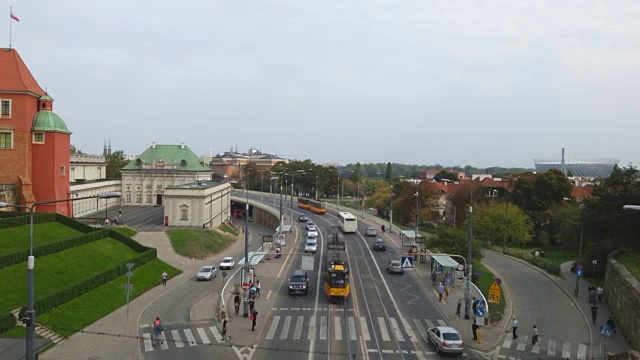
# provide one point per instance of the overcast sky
(416, 82)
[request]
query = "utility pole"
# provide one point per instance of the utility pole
(245, 269)
(417, 216)
(467, 293)
(391, 212)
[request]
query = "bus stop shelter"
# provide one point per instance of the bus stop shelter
(444, 267)
(408, 238)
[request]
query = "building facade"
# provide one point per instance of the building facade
(228, 165)
(197, 204)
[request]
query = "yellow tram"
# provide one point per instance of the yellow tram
(315, 206)
(336, 276)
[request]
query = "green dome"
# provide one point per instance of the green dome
(45, 120)
(46, 97)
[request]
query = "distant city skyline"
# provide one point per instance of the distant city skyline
(414, 82)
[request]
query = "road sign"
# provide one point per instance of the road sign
(594, 262)
(460, 279)
(128, 287)
(579, 273)
(579, 267)
(605, 330)
(481, 308)
(498, 281)
(245, 286)
(407, 262)
(494, 293)
(460, 267)
(224, 274)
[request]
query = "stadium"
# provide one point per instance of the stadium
(586, 168)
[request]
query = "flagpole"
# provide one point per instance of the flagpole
(10, 24)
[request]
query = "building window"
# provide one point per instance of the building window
(5, 108)
(128, 198)
(148, 186)
(38, 138)
(149, 198)
(62, 172)
(184, 212)
(158, 186)
(6, 139)
(139, 198)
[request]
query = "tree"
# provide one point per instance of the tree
(404, 203)
(444, 174)
(536, 193)
(497, 222)
(115, 162)
(74, 150)
(356, 175)
(450, 240)
(388, 174)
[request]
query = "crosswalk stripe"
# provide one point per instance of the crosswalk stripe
(352, 328)
(430, 323)
(189, 335)
(566, 350)
(383, 329)
(312, 328)
(442, 322)
(148, 345)
(203, 336)
(298, 330)
(507, 342)
(175, 334)
(285, 328)
(421, 330)
(552, 348)
(408, 330)
(535, 349)
(323, 328)
(522, 343)
(274, 326)
(396, 329)
(163, 342)
(338, 327)
(365, 329)
(216, 333)
(582, 352)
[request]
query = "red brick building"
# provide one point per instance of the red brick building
(34, 141)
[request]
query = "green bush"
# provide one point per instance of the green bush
(10, 214)
(7, 322)
(76, 225)
(25, 219)
(136, 246)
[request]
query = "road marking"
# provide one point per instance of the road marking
(268, 295)
(566, 350)
(175, 334)
(441, 322)
(352, 328)
(323, 328)
(337, 327)
(582, 352)
(552, 348)
(148, 345)
(387, 351)
(408, 330)
(216, 333)
(372, 351)
(365, 329)
(298, 330)
(312, 328)
(383, 329)
(535, 349)
(203, 336)
(522, 343)
(396, 329)
(421, 330)
(306, 309)
(190, 338)
(274, 326)
(295, 309)
(507, 342)
(285, 328)
(163, 343)
(430, 323)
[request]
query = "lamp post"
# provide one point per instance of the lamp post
(338, 195)
(245, 268)
(31, 313)
(467, 292)
(417, 215)
(391, 212)
(506, 227)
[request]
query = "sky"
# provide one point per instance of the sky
(481, 83)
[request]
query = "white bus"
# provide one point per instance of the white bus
(348, 222)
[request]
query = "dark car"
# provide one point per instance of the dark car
(298, 282)
(379, 245)
(302, 218)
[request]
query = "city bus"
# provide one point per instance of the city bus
(348, 222)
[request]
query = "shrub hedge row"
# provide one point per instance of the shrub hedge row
(10, 214)
(45, 304)
(7, 322)
(527, 256)
(25, 219)
(76, 225)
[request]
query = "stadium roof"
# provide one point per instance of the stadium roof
(588, 168)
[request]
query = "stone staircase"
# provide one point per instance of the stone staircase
(41, 330)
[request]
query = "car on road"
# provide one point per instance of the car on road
(298, 282)
(227, 263)
(310, 224)
(207, 273)
(313, 231)
(394, 267)
(379, 245)
(312, 245)
(446, 340)
(302, 218)
(371, 231)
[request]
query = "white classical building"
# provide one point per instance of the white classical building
(200, 203)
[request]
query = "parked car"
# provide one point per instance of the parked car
(311, 246)
(371, 231)
(227, 263)
(313, 231)
(394, 267)
(378, 245)
(310, 224)
(298, 282)
(207, 273)
(446, 340)
(302, 218)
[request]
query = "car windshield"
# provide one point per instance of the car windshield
(206, 269)
(379, 241)
(450, 336)
(371, 229)
(297, 278)
(311, 242)
(226, 260)
(395, 263)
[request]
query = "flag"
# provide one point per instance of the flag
(14, 17)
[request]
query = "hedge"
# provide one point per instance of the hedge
(7, 322)
(10, 214)
(136, 246)
(45, 304)
(76, 225)
(25, 219)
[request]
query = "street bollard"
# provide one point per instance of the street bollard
(479, 333)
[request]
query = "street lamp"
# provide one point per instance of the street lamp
(316, 188)
(467, 292)
(391, 212)
(417, 215)
(31, 313)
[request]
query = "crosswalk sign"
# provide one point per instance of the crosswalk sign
(481, 308)
(407, 262)
(605, 330)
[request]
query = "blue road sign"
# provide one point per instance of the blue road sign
(407, 262)
(605, 330)
(481, 307)
(579, 273)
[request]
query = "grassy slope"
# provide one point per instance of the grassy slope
(128, 232)
(198, 244)
(483, 282)
(17, 238)
(630, 260)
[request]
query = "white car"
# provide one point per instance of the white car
(371, 231)
(207, 273)
(312, 232)
(310, 224)
(311, 246)
(227, 263)
(446, 340)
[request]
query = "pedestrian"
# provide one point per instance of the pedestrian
(164, 278)
(458, 307)
(251, 305)
(612, 325)
(236, 303)
(440, 292)
(474, 305)
(534, 335)
(433, 278)
(120, 212)
(157, 331)
(514, 329)
(600, 293)
(258, 288)
(592, 294)
(252, 292)
(594, 313)
(254, 317)
(474, 329)
(224, 328)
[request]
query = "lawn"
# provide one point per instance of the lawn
(559, 256)
(198, 244)
(126, 231)
(483, 282)
(630, 260)
(77, 314)
(57, 271)
(17, 238)
(228, 229)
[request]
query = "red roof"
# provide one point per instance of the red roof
(581, 192)
(490, 183)
(14, 74)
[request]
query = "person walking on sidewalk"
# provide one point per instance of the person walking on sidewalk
(594, 313)
(236, 303)
(458, 307)
(600, 293)
(474, 329)
(440, 292)
(534, 335)
(164, 278)
(258, 288)
(514, 329)
(433, 278)
(612, 325)
(254, 318)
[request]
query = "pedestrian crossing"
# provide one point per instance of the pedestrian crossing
(551, 348)
(180, 338)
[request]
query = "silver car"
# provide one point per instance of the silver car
(207, 273)
(446, 340)
(371, 231)
(394, 267)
